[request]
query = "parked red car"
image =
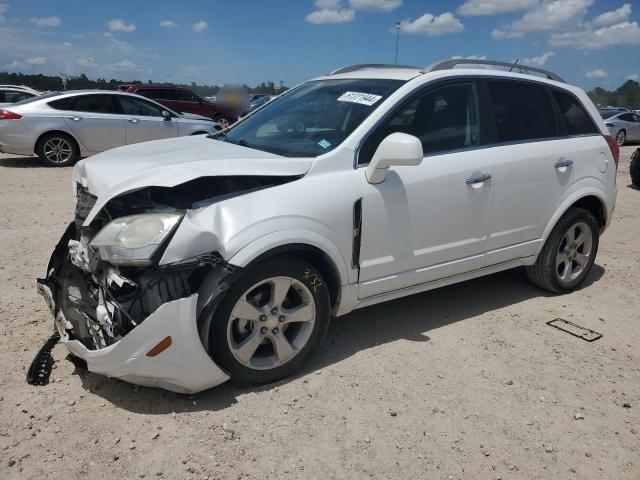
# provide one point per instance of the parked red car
(183, 100)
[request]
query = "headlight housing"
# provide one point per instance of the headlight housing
(132, 240)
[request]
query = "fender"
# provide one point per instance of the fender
(571, 198)
(262, 245)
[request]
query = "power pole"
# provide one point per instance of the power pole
(397, 27)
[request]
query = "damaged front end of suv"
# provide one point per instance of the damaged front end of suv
(124, 289)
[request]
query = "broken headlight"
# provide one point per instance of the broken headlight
(132, 240)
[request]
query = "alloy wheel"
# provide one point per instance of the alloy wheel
(620, 138)
(271, 323)
(574, 252)
(58, 150)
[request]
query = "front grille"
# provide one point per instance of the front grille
(84, 203)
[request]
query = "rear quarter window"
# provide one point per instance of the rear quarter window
(576, 118)
(522, 110)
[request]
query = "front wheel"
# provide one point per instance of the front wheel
(568, 254)
(270, 321)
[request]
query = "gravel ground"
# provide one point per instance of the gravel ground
(461, 382)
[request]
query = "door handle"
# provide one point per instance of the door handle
(478, 179)
(74, 118)
(563, 163)
(132, 120)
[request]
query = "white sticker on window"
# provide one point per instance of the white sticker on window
(324, 144)
(359, 97)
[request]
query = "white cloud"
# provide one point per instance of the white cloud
(119, 25)
(597, 73)
(36, 61)
(616, 16)
(124, 65)
(624, 33)
(633, 76)
(377, 5)
(327, 3)
(3, 9)
(47, 21)
(540, 60)
(168, 24)
(432, 26)
(328, 15)
(547, 16)
(470, 57)
(492, 7)
(67, 44)
(200, 26)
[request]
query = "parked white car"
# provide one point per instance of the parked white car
(623, 126)
(62, 127)
(195, 260)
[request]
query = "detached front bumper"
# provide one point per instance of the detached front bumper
(165, 350)
(182, 367)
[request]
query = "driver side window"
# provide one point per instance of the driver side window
(443, 118)
(136, 106)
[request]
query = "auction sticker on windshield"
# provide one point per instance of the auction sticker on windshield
(359, 97)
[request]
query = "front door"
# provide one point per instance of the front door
(144, 120)
(430, 221)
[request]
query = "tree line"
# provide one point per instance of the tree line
(82, 82)
(627, 95)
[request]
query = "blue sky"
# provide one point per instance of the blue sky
(589, 42)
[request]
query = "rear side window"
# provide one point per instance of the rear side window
(62, 103)
(576, 118)
(627, 117)
(523, 111)
(93, 104)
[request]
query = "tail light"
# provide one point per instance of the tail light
(6, 115)
(610, 125)
(615, 149)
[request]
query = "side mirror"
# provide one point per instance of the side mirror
(397, 149)
(166, 114)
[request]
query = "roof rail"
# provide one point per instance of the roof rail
(364, 66)
(447, 64)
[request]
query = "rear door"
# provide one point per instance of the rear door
(95, 120)
(544, 142)
(144, 120)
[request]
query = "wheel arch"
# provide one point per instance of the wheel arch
(56, 131)
(591, 200)
(322, 254)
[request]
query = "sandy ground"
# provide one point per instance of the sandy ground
(464, 382)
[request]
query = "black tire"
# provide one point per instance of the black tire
(621, 137)
(296, 268)
(544, 272)
(635, 168)
(63, 139)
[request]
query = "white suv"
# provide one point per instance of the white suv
(192, 260)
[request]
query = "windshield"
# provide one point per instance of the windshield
(312, 119)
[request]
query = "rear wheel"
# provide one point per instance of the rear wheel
(568, 254)
(57, 149)
(270, 321)
(621, 137)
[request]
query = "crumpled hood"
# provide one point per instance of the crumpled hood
(170, 162)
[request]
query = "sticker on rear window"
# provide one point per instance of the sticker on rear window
(324, 144)
(359, 97)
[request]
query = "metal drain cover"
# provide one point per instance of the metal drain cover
(575, 329)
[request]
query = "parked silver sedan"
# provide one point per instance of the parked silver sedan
(61, 127)
(623, 126)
